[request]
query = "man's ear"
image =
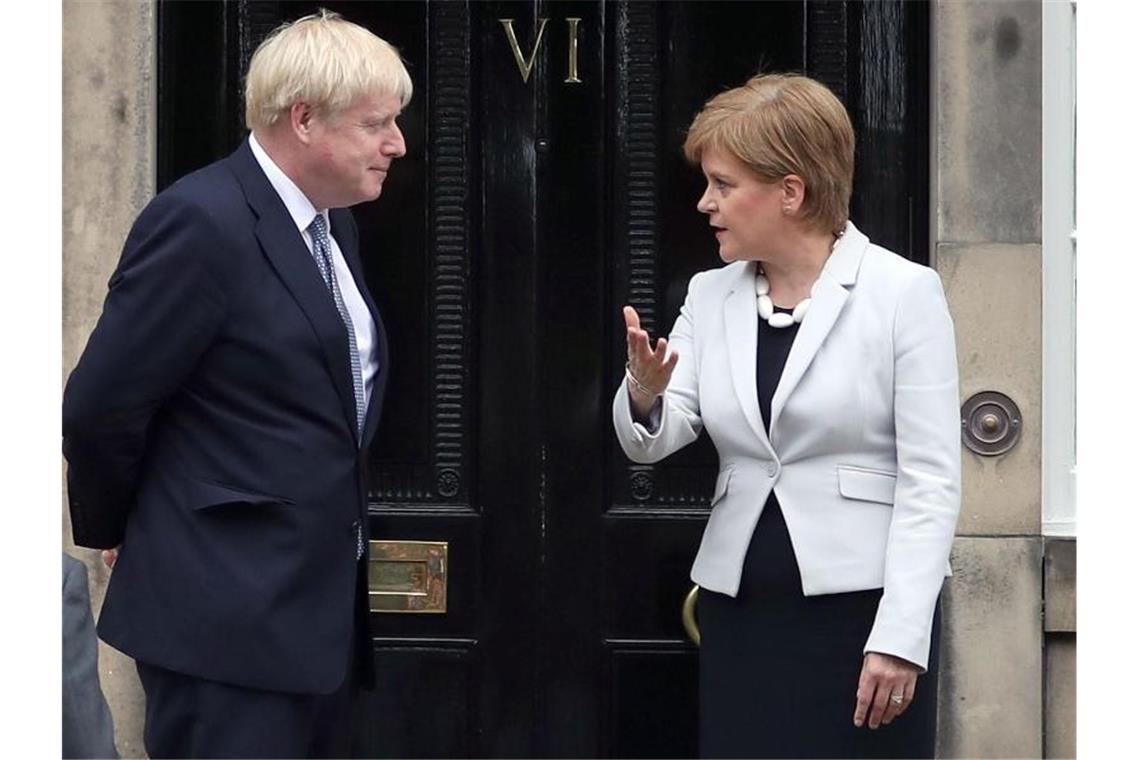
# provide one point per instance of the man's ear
(301, 117)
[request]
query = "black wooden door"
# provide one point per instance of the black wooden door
(526, 213)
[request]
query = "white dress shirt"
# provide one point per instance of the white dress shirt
(302, 211)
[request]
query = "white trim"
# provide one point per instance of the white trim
(1059, 528)
(1058, 269)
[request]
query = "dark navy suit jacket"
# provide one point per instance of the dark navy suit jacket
(209, 427)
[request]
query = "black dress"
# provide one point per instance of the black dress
(779, 670)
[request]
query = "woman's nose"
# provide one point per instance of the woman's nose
(704, 203)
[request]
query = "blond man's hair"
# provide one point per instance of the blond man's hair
(322, 60)
(781, 124)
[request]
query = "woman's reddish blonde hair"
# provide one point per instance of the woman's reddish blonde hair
(781, 124)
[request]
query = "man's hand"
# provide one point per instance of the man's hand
(886, 688)
(110, 556)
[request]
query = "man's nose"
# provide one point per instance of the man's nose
(395, 147)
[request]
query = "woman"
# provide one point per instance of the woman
(823, 368)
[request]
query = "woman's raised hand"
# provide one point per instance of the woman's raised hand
(649, 369)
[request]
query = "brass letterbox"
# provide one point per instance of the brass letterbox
(407, 576)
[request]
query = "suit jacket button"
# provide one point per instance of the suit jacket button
(772, 469)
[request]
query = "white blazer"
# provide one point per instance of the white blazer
(863, 450)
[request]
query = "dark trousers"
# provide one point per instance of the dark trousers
(192, 717)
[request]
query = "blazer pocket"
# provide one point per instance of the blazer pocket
(866, 484)
(721, 486)
(202, 494)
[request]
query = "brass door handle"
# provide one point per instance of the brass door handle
(689, 615)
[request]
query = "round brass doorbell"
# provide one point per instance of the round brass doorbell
(991, 423)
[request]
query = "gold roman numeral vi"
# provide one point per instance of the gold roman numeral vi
(526, 64)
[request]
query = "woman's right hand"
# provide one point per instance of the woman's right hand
(650, 367)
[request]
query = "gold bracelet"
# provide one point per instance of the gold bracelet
(637, 383)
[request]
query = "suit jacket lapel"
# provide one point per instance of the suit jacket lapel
(343, 231)
(290, 257)
(830, 297)
(740, 335)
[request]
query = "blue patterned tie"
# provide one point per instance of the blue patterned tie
(322, 253)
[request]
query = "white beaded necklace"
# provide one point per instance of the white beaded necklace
(767, 310)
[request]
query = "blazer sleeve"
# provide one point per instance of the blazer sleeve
(928, 486)
(163, 308)
(680, 420)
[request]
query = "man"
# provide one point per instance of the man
(217, 422)
(88, 730)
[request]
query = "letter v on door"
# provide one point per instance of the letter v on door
(525, 66)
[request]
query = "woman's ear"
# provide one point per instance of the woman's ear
(792, 191)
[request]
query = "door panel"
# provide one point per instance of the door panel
(525, 214)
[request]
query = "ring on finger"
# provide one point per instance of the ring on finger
(896, 699)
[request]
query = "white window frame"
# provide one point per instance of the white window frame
(1059, 268)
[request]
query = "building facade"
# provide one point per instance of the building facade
(543, 185)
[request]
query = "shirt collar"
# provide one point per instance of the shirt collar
(296, 203)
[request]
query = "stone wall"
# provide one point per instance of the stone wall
(108, 176)
(986, 185)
